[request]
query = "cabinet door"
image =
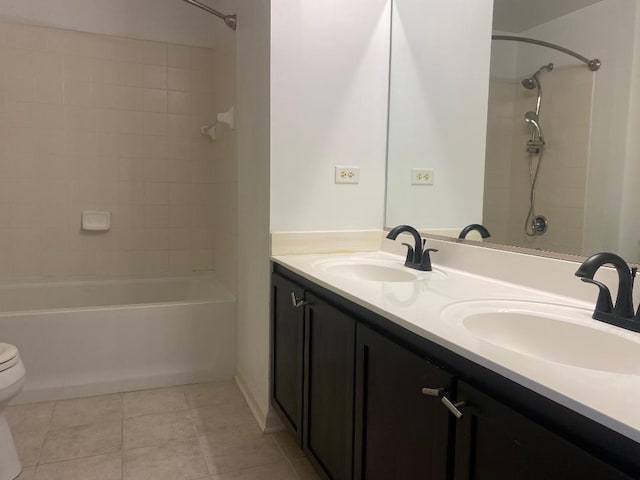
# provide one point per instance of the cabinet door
(401, 433)
(494, 442)
(287, 347)
(329, 377)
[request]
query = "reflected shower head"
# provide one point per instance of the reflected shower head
(532, 82)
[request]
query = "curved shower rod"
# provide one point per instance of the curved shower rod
(593, 64)
(230, 20)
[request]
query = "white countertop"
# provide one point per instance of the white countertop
(611, 399)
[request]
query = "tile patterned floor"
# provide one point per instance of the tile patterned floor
(193, 432)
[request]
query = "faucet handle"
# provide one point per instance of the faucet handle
(425, 264)
(410, 254)
(604, 304)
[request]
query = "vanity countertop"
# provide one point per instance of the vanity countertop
(610, 399)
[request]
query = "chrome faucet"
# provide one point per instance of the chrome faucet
(621, 314)
(481, 229)
(418, 257)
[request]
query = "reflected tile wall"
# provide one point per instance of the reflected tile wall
(560, 191)
(100, 122)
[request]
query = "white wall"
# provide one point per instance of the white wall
(253, 203)
(163, 20)
(329, 86)
(629, 224)
(438, 117)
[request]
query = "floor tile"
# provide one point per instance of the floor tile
(27, 473)
(84, 411)
(304, 470)
(149, 430)
(29, 445)
(181, 460)
(31, 416)
(238, 448)
(217, 393)
(275, 471)
(103, 467)
(149, 402)
(288, 445)
(214, 417)
(66, 443)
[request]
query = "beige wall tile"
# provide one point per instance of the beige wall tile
(155, 100)
(179, 79)
(155, 124)
(179, 102)
(179, 56)
(154, 53)
(100, 122)
(156, 193)
(155, 76)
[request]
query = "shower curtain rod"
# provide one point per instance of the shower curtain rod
(593, 64)
(230, 20)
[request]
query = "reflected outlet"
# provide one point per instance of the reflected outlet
(422, 176)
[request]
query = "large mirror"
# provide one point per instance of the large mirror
(559, 168)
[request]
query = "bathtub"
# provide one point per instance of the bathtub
(91, 337)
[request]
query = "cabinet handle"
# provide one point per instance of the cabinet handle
(297, 302)
(433, 392)
(453, 407)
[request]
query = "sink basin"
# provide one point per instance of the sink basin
(554, 333)
(373, 270)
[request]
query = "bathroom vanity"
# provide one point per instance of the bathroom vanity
(375, 387)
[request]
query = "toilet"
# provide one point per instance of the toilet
(11, 381)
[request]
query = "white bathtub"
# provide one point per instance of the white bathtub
(79, 338)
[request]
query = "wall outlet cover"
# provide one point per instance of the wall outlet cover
(347, 175)
(422, 176)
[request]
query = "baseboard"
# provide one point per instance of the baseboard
(269, 422)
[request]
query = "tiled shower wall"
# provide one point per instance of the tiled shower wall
(497, 177)
(95, 122)
(560, 188)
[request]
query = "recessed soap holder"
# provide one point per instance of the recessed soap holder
(96, 221)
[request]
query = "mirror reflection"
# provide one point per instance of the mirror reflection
(561, 163)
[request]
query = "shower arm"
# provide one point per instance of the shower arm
(593, 64)
(230, 20)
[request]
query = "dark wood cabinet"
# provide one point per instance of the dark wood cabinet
(329, 388)
(493, 442)
(401, 433)
(287, 341)
(349, 382)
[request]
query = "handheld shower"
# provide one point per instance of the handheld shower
(535, 224)
(532, 119)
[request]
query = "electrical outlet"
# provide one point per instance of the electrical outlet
(422, 176)
(347, 174)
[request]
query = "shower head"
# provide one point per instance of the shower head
(533, 82)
